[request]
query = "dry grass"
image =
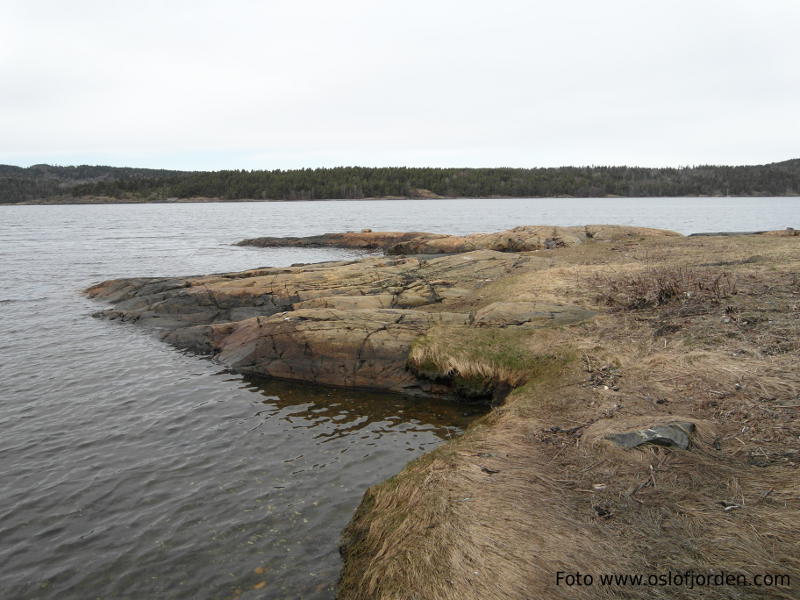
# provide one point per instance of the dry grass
(500, 512)
(534, 487)
(664, 285)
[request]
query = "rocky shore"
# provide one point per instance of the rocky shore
(348, 323)
(520, 239)
(645, 384)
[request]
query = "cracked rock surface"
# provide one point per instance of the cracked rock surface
(346, 323)
(352, 323)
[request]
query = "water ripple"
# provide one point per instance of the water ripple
(130, 470)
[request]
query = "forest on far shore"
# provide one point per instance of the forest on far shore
(41, 182)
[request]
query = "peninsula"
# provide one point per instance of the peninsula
(644, 392)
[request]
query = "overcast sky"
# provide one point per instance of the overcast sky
(305, 83)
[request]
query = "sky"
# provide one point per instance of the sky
(245, 84)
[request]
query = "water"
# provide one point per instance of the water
(131, 470)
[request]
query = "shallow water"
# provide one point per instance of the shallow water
(131, 470)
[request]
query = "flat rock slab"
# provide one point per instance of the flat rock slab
(391, 282)
(520, 239)
(725, 233)
(529, 314)
(526, 238)
(343, 323)
(788, 232)
(346, 323)
(367, 240)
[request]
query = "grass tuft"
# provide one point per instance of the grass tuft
(478, 362)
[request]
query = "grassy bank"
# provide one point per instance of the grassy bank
(697, 330)
(484, 362)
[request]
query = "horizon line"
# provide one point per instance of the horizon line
(356, 166)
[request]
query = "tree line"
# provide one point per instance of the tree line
(18, 184)
(41, 181)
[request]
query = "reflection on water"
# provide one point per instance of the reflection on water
(359, 438)
(341, 412)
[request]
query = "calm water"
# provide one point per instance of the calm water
(131, 470)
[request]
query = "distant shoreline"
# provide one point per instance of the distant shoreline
(204, 200)
(87, 184)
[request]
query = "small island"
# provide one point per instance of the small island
(642, 385)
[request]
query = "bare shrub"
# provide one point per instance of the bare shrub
(664, 285)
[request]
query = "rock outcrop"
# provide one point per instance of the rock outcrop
(367, 240)
(347, 323)
(525, 239)
(519, 239)
(529, 314)
(364, 348)
(788, 232)
(352, 323)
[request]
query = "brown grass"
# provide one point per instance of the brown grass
(534, 487)
(657, 286)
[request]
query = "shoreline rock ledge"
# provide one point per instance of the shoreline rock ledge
(353, 323)
(525, 238)
(345, 323)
